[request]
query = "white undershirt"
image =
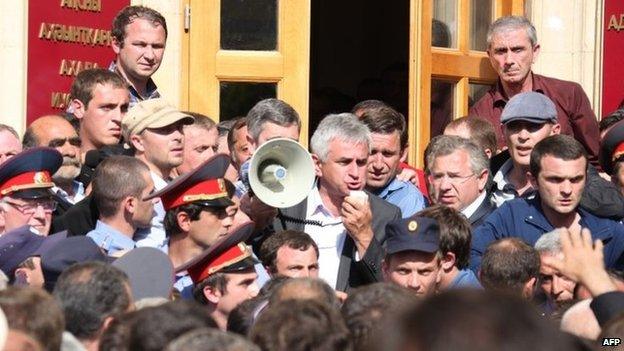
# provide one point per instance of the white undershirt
(472, 208)
(330, 237)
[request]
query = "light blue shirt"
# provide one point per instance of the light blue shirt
(403, 194)
(110, 239)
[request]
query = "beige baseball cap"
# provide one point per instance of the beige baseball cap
(152, 113)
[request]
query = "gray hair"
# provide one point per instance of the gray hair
(444, 145)
(272, 111)
(512, 22)
(7, 128)
(343, 126)
(549, 242)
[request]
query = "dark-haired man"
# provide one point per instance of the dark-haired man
(455, 237)
(199, 212)
(290, 253)
(139, 37)
(388, 150)
(412, 258)
(510, 265)
(558, 167)
(100, 101)
(120, 185)
(92, 295)
(224, 275)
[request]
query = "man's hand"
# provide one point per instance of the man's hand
(357, 217)
(341, 295)
(408, 175)
(582, 261)
(259, 212)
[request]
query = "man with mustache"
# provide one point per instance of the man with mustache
(199, 212)
(153, 130)
(558, 171)
(56, 132)
(512, 49)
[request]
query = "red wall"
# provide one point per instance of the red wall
(49, 45)
(613, 56)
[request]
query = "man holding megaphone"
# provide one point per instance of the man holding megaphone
(267, 120)
(347, 223)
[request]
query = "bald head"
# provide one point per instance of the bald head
(56, 132)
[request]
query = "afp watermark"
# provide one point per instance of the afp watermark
(611, 341)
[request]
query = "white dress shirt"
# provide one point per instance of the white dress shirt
(329, 236)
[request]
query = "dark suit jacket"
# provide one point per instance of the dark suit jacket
(78, 219)
(350, 273)
(481, 213)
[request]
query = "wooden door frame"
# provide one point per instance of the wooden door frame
(206, 65)
(460, 65)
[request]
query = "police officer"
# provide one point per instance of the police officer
(25, 196)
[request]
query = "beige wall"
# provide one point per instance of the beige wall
(569, 32)
(13, 21)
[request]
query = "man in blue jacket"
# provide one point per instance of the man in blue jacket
(558, 170)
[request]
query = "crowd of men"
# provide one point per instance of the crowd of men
(126, 224)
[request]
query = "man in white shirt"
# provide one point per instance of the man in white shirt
(347, 224)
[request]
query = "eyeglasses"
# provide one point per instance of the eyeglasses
(453, 179)
(31, 206)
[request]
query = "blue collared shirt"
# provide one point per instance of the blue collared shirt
(110, 239)
(403, 194)
(135, 97)
(465, 279)
(242, 185)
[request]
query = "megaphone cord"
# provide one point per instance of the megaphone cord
(286, 218)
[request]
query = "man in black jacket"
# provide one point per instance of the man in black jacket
(458, 172)
(347, 224)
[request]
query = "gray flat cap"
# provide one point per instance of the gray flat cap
(531, 107)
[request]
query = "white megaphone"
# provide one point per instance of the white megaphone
(281, 173)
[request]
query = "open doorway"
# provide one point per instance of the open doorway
(359, 51)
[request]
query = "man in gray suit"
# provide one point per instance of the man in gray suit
(347, 224)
